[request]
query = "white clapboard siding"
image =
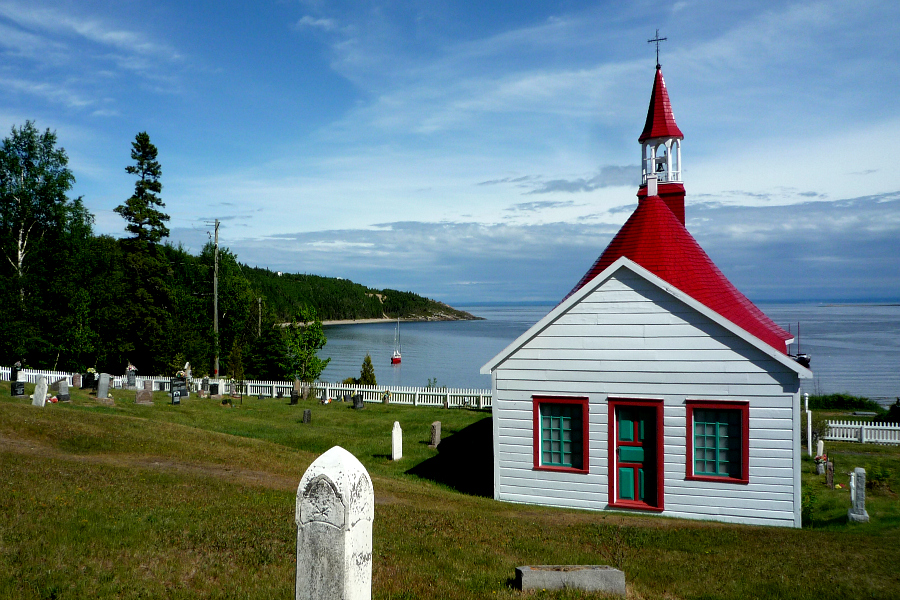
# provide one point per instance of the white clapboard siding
(629, 338)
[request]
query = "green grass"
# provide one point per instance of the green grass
(197, 501)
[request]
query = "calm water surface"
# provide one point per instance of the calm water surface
(855, 348)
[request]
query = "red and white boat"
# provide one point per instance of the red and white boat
(395, 357)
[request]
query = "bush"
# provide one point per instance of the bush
(819, 427)
(892, 416)
(367, 373)
(843, 401)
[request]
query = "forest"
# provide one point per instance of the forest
(71, 299)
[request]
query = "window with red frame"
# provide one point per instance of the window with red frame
(560, 433)
(718, 441)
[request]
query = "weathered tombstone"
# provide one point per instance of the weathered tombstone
(829, 475)
(447, 402)
(295, 396)
(820, 448)
(386, 397)
(592, 578)
(307, 415)
(297, 385)
(103, 386)
(17, 388)
(54, 387)
(131, 379)
(304, 391)
(435, 434)
(62, 391)
(144, 396)
(76, 380)
(358, 403)
(857, 512)
(204, 385)
(324, 398)
(14, 373)
(396, 442)
(335, 510)
(40, 392)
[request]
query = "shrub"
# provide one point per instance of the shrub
(843, 401)
(892, 416)
(367, 373)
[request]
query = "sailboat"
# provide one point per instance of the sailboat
(395, 357)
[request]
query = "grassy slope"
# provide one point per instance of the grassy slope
(198, 501)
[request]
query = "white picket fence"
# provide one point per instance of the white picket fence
(861, 431)
(414, 396)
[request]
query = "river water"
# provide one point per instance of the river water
(855, 348)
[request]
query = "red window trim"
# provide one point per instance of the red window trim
(660, 453)
(744, 407)
(537, 400)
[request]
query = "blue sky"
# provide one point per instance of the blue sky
(480, 151)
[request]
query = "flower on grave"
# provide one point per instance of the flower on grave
(91, 370)
(179, 374)
(18, 364)
(130, 367)
(821, 460)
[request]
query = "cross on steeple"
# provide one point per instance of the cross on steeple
(657, 39)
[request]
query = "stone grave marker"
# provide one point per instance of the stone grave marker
(304, 391)
(295, 396)
(324, 398)
(335, 510)
(103, 386)
(131, 379)
(62, 390)
(820, 448)
(829, 475)
(144, 396)
(17, 388)
(14, 373)
(40, 392)
(307, 415)
(358, 403)
(435, 434)
(204, 384)
(76, 380)
(396, 442)
(592, 578)
(857, 512)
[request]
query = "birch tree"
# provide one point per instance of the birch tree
(34, 181)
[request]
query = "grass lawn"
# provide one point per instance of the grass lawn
(197, 501)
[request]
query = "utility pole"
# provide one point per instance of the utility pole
(216, 301)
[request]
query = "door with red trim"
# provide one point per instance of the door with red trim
(636, 455)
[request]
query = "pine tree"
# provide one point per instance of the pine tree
(145, 221)
(367, 373)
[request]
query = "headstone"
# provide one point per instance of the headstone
(435, 434)
(40, 392)
(396, 442)
(820, 467)
(304, 391)
(335, 509)
(447, 402)
(131, 379)
(358, 403)
(829, 475)
(145, 396)
(76, 380)
(54, 387)
(214, 389)
(187, 370)
(297, 385)
(591, 578)
(13, 374)
(324, 398)
(204, 385)
(386, 397)
(307, 415)
(295, 396)
(103, 386)
(62, 391)
(857, 512)
(17, 388)
(820, 448)
(178, 389)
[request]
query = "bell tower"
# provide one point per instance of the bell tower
(661, 147)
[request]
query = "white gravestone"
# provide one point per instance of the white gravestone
(103, 386)
(40, 392)
(396, 442)
(335, 509)
(857, 512)
(820, 448)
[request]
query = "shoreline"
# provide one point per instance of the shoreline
(389, 320)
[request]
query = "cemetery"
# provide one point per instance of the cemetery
(197, 500)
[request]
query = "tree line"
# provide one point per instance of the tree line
(71, 299)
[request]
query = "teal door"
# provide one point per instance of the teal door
(636, 454)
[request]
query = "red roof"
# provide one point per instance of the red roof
(660, 120)
(655, 239)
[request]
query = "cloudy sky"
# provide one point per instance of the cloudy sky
(480, 151)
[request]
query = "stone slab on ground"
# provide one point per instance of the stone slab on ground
(591, 578)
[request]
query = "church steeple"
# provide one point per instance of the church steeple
(661, 150)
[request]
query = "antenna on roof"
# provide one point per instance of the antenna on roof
(657, 39)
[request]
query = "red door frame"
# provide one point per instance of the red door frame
(612, 434)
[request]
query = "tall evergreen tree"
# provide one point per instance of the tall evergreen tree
(145, 221)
